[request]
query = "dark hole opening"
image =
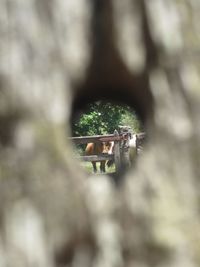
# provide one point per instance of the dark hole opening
(101, 112)
(139, 99)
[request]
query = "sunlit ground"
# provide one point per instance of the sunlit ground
(87, 166)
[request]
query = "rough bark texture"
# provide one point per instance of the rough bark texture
(56, 54)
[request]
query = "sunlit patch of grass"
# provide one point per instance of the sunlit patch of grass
(89, 168)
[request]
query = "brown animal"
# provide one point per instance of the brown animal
(97, 149)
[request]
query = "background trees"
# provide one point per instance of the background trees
(104, 117)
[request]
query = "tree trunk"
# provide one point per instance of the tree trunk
(57, 55)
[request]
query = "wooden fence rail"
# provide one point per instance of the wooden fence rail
(121, 146)
(97, 157)
(95, 138)
(116, 156)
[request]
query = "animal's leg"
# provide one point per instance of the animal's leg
(94, 166)
(102, 166)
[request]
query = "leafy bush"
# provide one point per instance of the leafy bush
(103, 118)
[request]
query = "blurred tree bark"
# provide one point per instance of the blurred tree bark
(51, 213)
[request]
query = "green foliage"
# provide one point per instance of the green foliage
(103, 118)
(131, 119)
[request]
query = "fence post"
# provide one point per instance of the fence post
(125, 157)
(117, 156)
(137, 145)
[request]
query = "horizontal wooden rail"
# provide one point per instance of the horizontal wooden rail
(97, 157)
(120, 154)
(95, 138)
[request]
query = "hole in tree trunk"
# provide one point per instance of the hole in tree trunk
(109, 132)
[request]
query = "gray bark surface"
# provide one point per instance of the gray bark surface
(142, 52)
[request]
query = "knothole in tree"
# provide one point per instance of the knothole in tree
(108, 132)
